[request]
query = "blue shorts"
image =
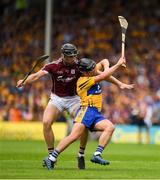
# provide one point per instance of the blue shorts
(89, 116)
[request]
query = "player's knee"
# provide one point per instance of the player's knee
(110, 128)
(47, 124)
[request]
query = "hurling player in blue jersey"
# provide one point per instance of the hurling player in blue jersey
(89, 115)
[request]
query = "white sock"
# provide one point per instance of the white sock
(52, 158)
(97, 153)
(80, 155)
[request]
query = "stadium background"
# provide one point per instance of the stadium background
(93, 27)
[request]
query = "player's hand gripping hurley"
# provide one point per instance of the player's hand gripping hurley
(124, 26)
(38, 61)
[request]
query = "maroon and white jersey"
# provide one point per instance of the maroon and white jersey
(64, 78)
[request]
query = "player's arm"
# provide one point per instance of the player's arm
(109, 71)
(33, 77)
(103, 65)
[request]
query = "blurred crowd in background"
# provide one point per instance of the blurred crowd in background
(93, 26)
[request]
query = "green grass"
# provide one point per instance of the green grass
(22, 160)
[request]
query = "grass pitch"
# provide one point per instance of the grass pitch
(23, 160)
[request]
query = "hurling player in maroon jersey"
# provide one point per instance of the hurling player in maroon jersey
(64, 74)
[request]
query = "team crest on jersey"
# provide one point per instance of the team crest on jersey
(73, 71)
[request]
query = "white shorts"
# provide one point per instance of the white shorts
(69, 103)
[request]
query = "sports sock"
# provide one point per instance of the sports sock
(99, 150)
(50, 150)
(54, 155)
(81, 152)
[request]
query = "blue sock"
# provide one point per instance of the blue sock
(54, 155)
(99, 150)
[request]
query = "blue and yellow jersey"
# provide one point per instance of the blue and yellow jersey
(89, 92)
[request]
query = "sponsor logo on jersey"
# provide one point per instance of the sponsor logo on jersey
(65, 79)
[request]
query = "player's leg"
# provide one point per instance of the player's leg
(73, 108)
(76, 132)
(50, 115)
(81, 153)
(107, 129)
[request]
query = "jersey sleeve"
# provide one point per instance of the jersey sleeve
(85, 83)
(49, 68)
